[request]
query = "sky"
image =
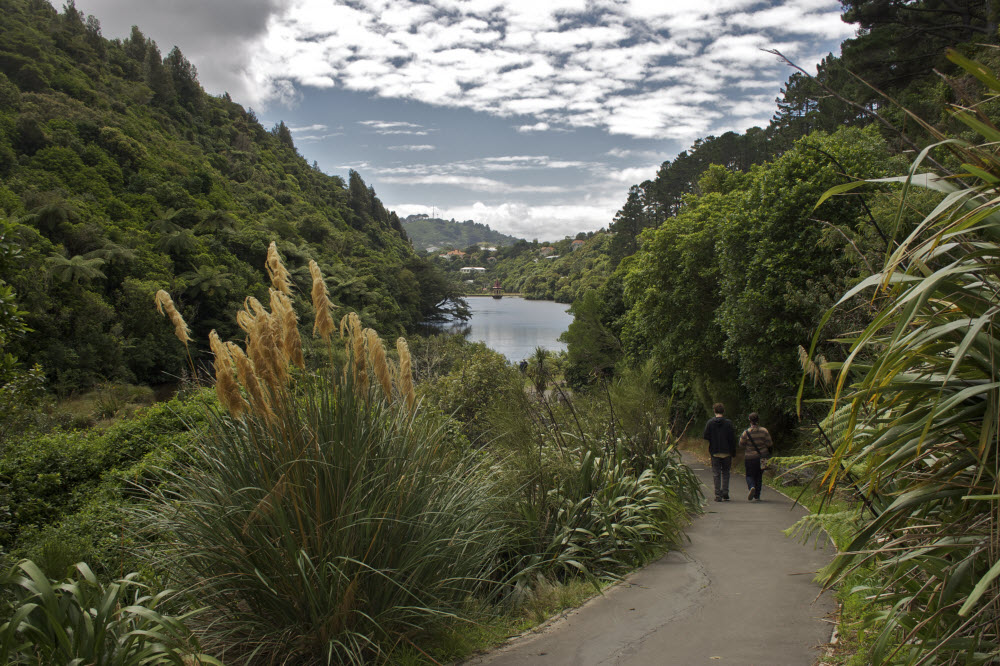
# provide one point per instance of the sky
(532, 116)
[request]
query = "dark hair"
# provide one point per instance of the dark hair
(754, 418)
(719, 408)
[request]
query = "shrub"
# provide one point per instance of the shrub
(593, 494)
(45, 478)
(81, 621)
(603, 519)
(468, 390)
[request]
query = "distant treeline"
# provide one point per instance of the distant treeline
(430, 232)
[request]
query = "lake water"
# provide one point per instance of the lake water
(514, 326)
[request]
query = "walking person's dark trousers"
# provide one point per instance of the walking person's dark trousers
(720, 473)
(755, 476)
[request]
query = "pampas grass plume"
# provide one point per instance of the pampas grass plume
(291, 340)
(809, 367)
(351, 329)
(280, 277)
(248, 378)
(321, 303)
(376, 355)
(405, 381)
(226, 387)
(165, 305)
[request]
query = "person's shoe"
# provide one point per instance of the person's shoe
(725, 498)
(750, 495)
(718, 499)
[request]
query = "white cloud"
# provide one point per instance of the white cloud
(622, 153)
(546, 222)
(318, 127)
(797, 18)
(385, 128)
(502, 163)
(475, 183)
(634, 174)
(416, 148)
(566, 63)
(312, 138)
(537, 127)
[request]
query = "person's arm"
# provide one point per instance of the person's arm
(704, 435)
(732, 439)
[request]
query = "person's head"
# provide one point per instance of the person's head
(754, 418)
(719, 409)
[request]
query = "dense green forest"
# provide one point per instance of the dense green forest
(721, 267)
(426, 232)
(121, 176)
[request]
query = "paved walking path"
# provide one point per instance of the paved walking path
(740, 593)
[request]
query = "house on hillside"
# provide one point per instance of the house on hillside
(546, 251)
(454, 254)
(576, 245)
(471, 269)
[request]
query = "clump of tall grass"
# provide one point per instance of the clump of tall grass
(323, 518)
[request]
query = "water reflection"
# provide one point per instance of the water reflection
(513, 326)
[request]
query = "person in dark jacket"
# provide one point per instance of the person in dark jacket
(756, 443)
(722, 447)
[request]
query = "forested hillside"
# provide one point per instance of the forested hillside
(426, 232)
(561, 271)
(560, 274)
(121, 176)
